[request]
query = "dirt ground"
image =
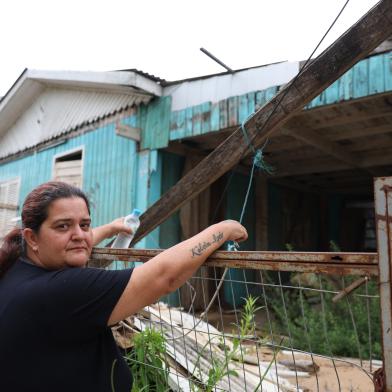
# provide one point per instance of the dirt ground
(350, 377)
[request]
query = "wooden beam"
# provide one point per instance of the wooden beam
(305, 167)
(333, 135)
(359, 40)
(344, 120)
(378, 158)
(313, 139)
(301, 167)
(326, 263)
(359, 132)
(299, 186)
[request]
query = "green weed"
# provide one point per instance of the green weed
(147, 362)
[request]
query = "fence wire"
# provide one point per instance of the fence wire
(266, 331)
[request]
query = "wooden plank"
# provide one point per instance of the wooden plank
(312, 138)
(260, 99)
(357, 117)
(359, 40)
(223, 114)
(361, 72)
(387, 71)
(327, 263)
(232, 104)
(196, 120)
(157, 127)
(206, 117)
(372, 159)
(188, 122)
(251, 97)
(346, 86)
(376, 78)
(332, 93)
(358, 133)
(215, 116)
(127, 131)
(243, 109)
(177, 125)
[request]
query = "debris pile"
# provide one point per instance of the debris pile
(200, 357)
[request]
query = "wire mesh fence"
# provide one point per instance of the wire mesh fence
(265, 331)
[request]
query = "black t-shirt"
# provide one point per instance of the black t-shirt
(53, 330)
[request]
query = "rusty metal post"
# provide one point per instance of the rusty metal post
(383, 206)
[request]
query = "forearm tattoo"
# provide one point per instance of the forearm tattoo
(199, 249)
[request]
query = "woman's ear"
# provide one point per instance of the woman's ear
(31, 239)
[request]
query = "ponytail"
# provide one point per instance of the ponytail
(11, 250)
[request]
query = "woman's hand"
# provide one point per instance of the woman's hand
(117, 226)
(109, 230)
(234, 230)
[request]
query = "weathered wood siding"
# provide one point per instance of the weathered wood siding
(370, 76)
(209, 117)
(116, 176)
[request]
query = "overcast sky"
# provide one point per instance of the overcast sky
(163, 37)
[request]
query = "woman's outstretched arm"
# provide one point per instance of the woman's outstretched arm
(172, 268)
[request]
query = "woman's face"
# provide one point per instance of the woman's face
(65, 237)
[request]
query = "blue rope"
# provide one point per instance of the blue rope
(258, 159)
(259, 162)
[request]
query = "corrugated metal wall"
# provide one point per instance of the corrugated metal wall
(111, 172)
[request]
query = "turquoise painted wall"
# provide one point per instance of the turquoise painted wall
(170, 230)
(116, 177)
(372, 75)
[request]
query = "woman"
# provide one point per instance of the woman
(55, 314)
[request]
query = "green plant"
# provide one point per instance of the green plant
(326, 327)
(247, 323)
(246, 329)
(311, 321)
(147, 362)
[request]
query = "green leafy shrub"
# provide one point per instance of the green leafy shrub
(316, 323)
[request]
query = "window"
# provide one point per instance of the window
(9, 196)
(68, 168)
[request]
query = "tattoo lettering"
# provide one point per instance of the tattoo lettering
(202, 246)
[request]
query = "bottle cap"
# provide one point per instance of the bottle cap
(136, 212)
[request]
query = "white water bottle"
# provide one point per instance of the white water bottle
(132, 221)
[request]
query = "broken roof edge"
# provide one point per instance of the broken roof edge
(166, 83)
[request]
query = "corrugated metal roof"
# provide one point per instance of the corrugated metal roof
(147, 75)
(59, 110)
(44, 104)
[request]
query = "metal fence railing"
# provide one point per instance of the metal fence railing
(282, 321)
(271, 329)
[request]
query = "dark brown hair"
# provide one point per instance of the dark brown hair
(34, 213)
